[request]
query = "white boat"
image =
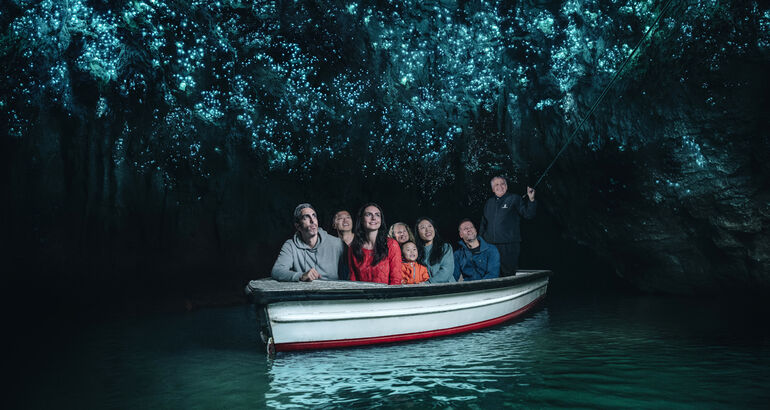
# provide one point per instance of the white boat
(330, 314)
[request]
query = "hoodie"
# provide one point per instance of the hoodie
(296, 258)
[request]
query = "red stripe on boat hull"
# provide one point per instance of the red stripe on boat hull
(330, 344)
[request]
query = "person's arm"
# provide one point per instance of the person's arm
(484, 222)
(457, 264)
(342, 268)
(494, 264)
(351, 265)
(424, 275)
(282, 266)
(394, 260)
(527, 207)
(445, 271)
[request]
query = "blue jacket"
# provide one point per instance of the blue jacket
(484, 265)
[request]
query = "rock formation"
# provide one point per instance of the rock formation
(153, 138)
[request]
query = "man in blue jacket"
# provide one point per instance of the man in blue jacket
(500, 223)
(475, 259)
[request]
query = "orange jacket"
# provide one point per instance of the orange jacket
(413, 272)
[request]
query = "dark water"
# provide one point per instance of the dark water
(577, 350)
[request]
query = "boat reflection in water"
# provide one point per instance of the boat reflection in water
(454, 369)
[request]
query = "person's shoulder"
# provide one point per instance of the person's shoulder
(325, 236)
(289, 249)
(487, 247)
(322, 233)
(393, 243)
(290, 243)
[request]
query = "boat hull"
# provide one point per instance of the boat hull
(330, 318)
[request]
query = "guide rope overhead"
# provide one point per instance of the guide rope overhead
(604, 92)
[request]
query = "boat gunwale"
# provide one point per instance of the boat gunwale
(336, 316)
(262, 297)
(405, 337)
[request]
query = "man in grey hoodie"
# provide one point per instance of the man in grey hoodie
(311, 254)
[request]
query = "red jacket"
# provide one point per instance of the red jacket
(413, 272)
(387, 270)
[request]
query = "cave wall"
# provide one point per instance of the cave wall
(148, 143)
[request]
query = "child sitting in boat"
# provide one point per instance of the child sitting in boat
(412, 271)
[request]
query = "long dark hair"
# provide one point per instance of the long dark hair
(380, 244)
(438, 243)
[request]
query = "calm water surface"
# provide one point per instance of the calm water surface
(574, 351)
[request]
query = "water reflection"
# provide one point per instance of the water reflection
(450, 369)
(585, 351)
(205, 359)
(614, 352)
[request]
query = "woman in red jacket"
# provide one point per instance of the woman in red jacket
(374, 257)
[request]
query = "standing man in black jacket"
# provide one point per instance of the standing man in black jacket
(500, 223)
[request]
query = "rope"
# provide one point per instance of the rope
(604, 92)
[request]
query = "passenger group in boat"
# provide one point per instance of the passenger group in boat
(365, 250)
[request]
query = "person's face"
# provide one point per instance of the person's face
(308, 223)
(372, 218)
(410, 252)
(499, 187)
(343, 222)
(425, 229)
(467, 231)
(399, 231)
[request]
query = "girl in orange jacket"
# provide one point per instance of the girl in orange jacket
(412, 271)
